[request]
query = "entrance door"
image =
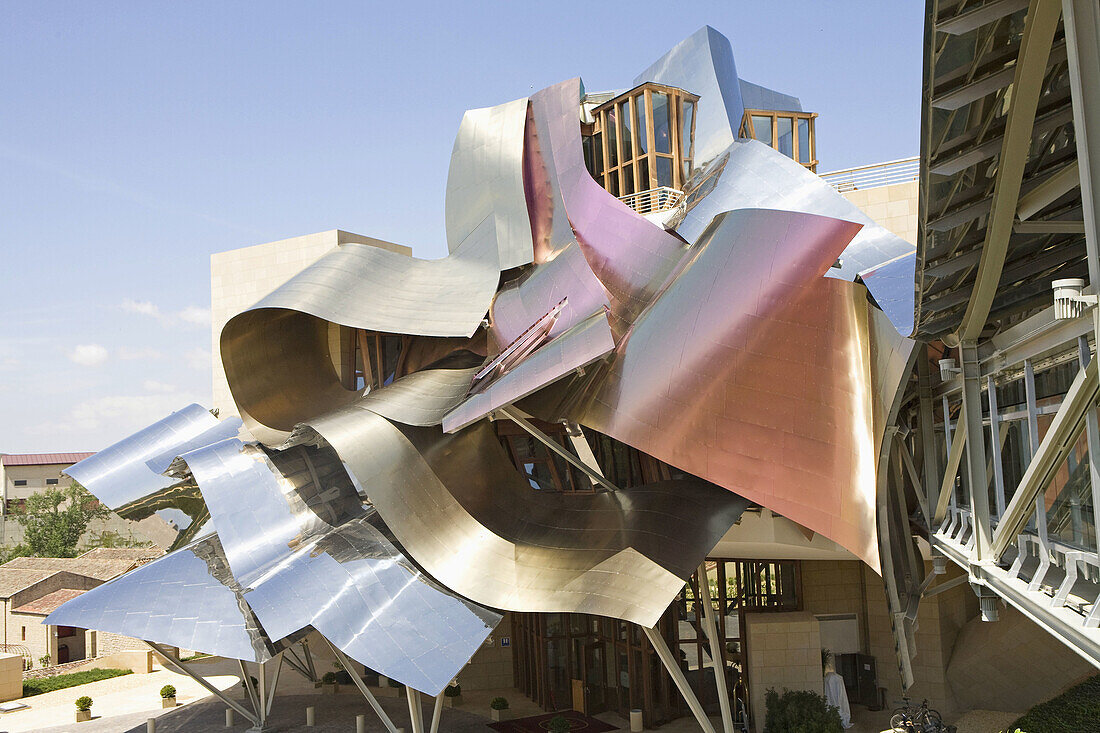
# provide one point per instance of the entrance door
(595, 679)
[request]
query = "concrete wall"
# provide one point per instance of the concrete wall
(784, 652)
(893, 207)
(241, 277)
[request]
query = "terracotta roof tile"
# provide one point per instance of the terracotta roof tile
(48, 603)
(43, 459)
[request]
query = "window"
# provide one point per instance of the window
(23, 634)
(51, 482)
(646, 139)
(372, 359)
(791, 133)
(21, 482)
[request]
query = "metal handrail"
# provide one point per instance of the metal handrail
(875, 175)
(661, 198)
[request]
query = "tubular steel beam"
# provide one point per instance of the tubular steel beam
(416, 713)
(437, 711)
(716, 650)
(672, 665)
(1030, 70)
(182, 669)
(1050, 190)
(514, 415)
(1055, 446)
(995, 444)
(343, 660)
(954, 458)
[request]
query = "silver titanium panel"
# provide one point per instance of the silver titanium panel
(573, 350)
(894, 286)
(703, 64)
(459, 508)
(754, 176)
(128, 476)
(307, 553)
(187, 599)
(276, 355)
(486, 180)
(420, 398)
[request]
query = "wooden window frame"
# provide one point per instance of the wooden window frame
(747, 131)
(643, 94)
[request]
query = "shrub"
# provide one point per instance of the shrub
(84, 703)
(328, 678)
(558, 724)
(499, 703)
(1076, 709)
(452, 691)
(799, 711)
(44, 660)
(168, 691)
(61, 681)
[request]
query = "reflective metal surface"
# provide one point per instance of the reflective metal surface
(128, 476)
(308, 554)
(486, 180)
(187, 599)
(755, 176)
(469, 518)
(703, 64)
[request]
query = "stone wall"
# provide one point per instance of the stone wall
(491, 666)
(784, 652)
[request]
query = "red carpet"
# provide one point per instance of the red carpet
(541, 723)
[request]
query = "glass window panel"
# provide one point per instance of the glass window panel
(613, 182)
(612, 138)
(628, 179)
(597, 150)
(762, 129)
(786, 136)
(643, 174)
(1069, 500)
(639, 109)
(627, 119)
(662, 123)
(804, 141)
(687, 144)
(589, 155)
(664, 171)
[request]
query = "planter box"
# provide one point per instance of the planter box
(450, 702)
(498, 715)
(82, 715)
(329, 689)
(388, 691)
(168, 702)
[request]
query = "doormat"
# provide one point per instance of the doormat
(578, 722)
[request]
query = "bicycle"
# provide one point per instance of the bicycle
(920, 719)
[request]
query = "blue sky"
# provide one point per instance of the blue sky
(137, 138)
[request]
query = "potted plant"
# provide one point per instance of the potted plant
(559, 724)
(452, 694)
(83, 709)
(168, 696)
(498, 708)
(328, 684)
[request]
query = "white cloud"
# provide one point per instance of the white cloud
(197, 358)
(144, 307)
(124, 413)
(192, 315)
(196, 315)
(151, 385)
(88, 354)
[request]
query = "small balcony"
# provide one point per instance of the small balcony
(654, 200)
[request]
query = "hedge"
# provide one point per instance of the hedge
(61, 681)
(1075, 710)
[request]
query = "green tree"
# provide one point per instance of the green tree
(54, 520)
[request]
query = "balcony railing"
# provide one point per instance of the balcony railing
(662, 198)
(873, 176)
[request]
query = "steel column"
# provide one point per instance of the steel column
(995, 442)
(355, 678)
(977, 478)
(515, 416)
(416, 714)
(717, 649)
(182, 669)
(672, 665)
(929, 455)
(437, 711)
